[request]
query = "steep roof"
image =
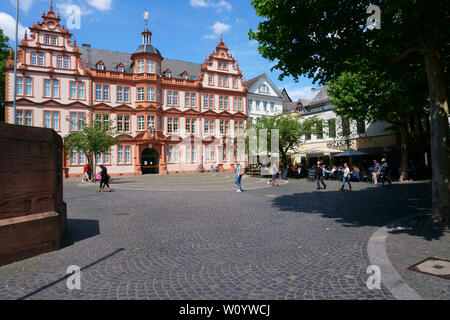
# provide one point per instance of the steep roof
(321, 98)
(254, 80)
(113, 58)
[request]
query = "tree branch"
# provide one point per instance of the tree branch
(405, 53)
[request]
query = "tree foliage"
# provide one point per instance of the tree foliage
(323, 39)
(292, 129)
(92, 139)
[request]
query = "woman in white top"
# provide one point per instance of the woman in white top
(346, 177)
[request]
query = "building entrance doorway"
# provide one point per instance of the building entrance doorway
(150, 161)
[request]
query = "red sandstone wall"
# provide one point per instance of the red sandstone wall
(32, 211)
(30, 170)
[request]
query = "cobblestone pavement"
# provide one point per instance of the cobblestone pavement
(194, 237)
(421, 243)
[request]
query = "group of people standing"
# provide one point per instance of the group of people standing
(103, 176)
(321, 172)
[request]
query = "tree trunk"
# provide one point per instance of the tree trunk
(440, 161)
(403, 154)
(94, 169)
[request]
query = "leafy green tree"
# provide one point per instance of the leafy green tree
(321, 39)
(4, 55)
(94, 138)
(292, 128)
(373, 94)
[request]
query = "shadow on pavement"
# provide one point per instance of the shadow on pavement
(374, 206)
(79, 229)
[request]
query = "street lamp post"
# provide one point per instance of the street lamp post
(15, 62)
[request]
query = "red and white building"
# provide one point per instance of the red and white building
(173, 115)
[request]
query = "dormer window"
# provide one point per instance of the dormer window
(120, 68)
(168, 74)
(100, 66)
(185, 75)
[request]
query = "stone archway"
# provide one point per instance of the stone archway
(150, 161)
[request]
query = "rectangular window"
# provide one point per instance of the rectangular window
(188, 125)
(151, 94)
(211, 126)
(123, 123)
(234, 103)
(210, 79)
(361, 126)
(265, 105)
(127, 154)
(226, 126)
(140, 66)
(188, 154)
(47, 40)
(207, 151)
(140, 94)
(194, 154)
(81, 158)
(221, 126)
(193, 126)
(41, 60)
(76, 121)
(47, 88)
(19, 87)
(175, 125)
(220, 102)
(272, 107)
(250, 101)
(187, 100)
(98, 158)
(193, 100)
(175, 98)
(120, 154)
(205, 101)
(34, 58)
(206, 126)
(151, 123)
(60, 61)
(158, 68)
(345, 126)
(213, 153)
(235, 128)
(119, 94)
(150, 66)
(105, 92)
(55, 88)
(211, 101)
(51, 120)
(225, 81)
(170, 153)
(80, 90)
(332, 128)
(240, 104)
(126, 94)
(225, 102)
(19, 117)
(319, 131)
(98, 92)
(66, 62)
(169, 97)
(73, 90)
(73, 157)
(107, 157)
(234, 83)
(169, 125)
(47, 119)
(28, 118)
(54, 42)
(141, 124)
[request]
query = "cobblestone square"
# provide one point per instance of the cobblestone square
(194, 237)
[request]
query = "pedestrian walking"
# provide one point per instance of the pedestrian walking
(104, 179)
(275, 170)
(346, 177)
(239, 174)
(384, 172)
(85, 174)
(319, 176)
(376, 171)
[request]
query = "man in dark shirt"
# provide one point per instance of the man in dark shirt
(319, 176)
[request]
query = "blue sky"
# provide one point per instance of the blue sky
(182, 29)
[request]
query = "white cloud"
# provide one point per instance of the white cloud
(101, 5)
(8, 25)
(219, 5)
(303, 92)
(218, 28)
(25, 5)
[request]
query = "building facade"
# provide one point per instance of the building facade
(264, 98)
(339, 134)
(173, 116)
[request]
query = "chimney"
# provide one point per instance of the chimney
(85, 45)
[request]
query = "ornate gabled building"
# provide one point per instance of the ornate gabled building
(173, 115)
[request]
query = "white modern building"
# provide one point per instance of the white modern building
(264, 98)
